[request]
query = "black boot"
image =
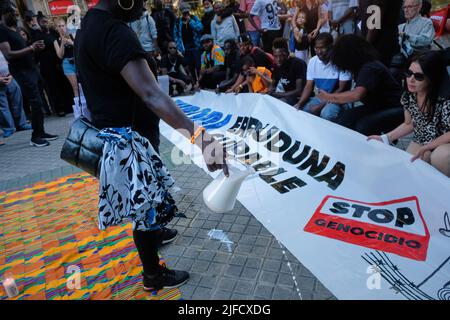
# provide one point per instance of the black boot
(165, 279)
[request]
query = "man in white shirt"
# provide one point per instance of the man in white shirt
(267, 11)
(326, 77)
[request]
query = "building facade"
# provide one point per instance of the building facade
(53, 7)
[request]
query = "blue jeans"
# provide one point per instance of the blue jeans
(12, 114)
(255, 37)
(330, 112)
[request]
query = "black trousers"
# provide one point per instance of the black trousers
(147, 243)
(372, 122)
(185, 78)
(28, 81)
(57, 91)
(210, 81)
(268, 37)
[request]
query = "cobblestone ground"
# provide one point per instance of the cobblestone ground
(254, 267)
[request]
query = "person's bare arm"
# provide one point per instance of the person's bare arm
(265, 78)
(238, 82)
(59, 49)
(343, 97)
(11, 55)
(138, 76)
(253, 23)
(343, 86)
(402, 130)
(306, 94)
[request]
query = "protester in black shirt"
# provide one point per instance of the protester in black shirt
(24, 71)
(165, 24)
(207, 17)
(51, 68)
(172, 65)
(232, 65)
(384, 37)
(375, 87)
(261, 59)
(117, 84)
(289, 75)
(26, 36)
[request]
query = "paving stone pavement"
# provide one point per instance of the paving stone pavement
(253, 268)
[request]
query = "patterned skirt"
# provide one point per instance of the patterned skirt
(134, 183)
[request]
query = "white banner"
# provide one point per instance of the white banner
(367, 222)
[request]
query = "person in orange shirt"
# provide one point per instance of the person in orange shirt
(257, 79)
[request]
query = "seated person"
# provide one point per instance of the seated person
(172, 65)
(375, 87)
(427, 115)
(323, 75)
(289, 76)
(418, 31)
(212, 71)
(232, 65)
(415, 37)
(257, 80)
(260, 58)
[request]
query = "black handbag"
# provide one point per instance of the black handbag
(83, 148)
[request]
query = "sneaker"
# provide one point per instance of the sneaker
(39, 142)
(25, 127)
(7, 133)
(2, 143)
(165, 279)
(49, 137)
(168, 235)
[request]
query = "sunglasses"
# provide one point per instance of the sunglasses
(172, 48)
(417, 76)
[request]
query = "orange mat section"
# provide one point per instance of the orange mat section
(50, 243)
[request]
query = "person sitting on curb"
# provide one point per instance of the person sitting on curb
(172, 64)
(289, 76)
(212, 71)
(232, 65)
(381, 110)
(427, 115)
(257, 79)
(325, 76)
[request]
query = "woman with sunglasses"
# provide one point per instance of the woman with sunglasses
(427, 115)
(126, 104)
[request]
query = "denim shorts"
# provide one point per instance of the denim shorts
(69, 68)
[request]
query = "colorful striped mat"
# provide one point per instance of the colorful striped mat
(50, 229)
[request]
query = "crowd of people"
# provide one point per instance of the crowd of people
(319, 56)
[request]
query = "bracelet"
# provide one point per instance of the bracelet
(385, 139)
(197, 133)
(32, 48)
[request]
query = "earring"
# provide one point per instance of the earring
(126, 9)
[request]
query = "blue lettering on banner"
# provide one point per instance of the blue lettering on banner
(295, 153)
(208, 118)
